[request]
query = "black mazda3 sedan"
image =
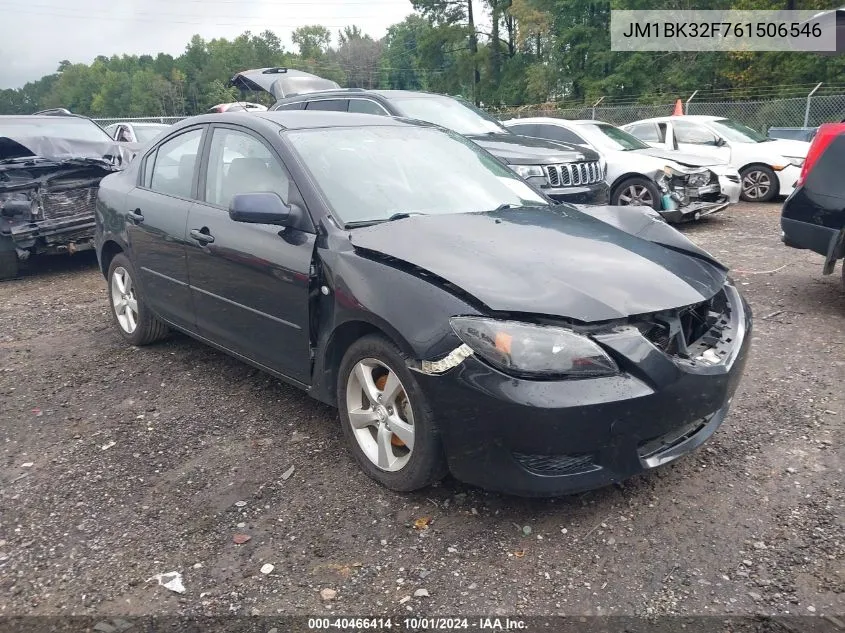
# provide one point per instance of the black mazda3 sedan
(458, 319)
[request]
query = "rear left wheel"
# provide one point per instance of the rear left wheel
(134, 320)
(385, 418)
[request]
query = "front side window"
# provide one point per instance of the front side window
(686, 132)
(147, 133)
(240, 163)
(175, 160)
(370, 173)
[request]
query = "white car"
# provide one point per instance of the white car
(679, 187)
(769, 167)
(135, 131)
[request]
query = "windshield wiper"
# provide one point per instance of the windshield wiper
(396, 216)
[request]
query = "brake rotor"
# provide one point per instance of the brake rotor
(381, 381)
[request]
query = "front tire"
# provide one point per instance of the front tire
(136, 324)
(759, 184)
(385, 418)
(636, 192)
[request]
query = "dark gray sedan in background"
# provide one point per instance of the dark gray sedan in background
(458, 318)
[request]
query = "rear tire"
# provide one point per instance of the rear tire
(636, 192)
(9, 265)
(134, 320)
(391, 431)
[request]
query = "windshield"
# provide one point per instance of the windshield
(147, 133)
(70, 128)
(450, 113)
(738, 132)
(372, 173)
(609, 137)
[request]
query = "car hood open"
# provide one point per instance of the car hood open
(526, 150)
(559, 261)
(281, 82)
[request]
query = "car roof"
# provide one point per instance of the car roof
(352, 92)
(692, 117)
(556, 120)
(302, 119)
(44, 117)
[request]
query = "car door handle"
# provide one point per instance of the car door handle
(135, 216)
(202, 236)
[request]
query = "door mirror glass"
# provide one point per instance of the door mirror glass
(262, 208)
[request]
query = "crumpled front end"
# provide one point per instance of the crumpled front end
(692, 193)
(47, 206)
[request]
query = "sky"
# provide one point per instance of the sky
(35, 35)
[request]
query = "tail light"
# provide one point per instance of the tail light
(824, 137)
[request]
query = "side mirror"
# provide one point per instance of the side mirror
(720, 142)
(262, 208)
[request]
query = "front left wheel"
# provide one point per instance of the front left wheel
(385, 418)
(136, 323)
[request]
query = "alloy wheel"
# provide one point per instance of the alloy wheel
(124, 301)
(756, 184)
(380, 414)
(636, 195)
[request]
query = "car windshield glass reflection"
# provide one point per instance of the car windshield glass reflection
(371, 174)
(738, 132)
(452, 114)
(609, 137)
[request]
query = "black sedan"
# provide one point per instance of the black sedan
(458, 319)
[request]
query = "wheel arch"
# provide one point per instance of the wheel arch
(108, 251)
(628, 176)
(330, 354)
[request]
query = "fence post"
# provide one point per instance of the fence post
(807, 110)
(594, 107)
(686, 105)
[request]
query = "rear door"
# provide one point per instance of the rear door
(250, 282)
(157, 214)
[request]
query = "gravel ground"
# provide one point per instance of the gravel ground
(121, 463)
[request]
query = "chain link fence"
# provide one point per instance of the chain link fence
(759, 114)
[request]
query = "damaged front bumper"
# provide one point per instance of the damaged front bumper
(685, 196)
(52, 236)
(554, 437)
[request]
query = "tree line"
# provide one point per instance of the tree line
(518, 52)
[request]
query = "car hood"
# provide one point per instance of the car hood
(594, 264)
(527, 150)
(61, 149)
(688, 160)
(789, 148)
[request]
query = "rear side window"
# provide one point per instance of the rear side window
(334, 105)
(647, 132)
(366, 106)
(175, 163)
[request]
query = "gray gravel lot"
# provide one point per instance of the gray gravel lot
(121, 463)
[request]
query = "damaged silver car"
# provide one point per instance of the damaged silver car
(50, 171)
(681, 187)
